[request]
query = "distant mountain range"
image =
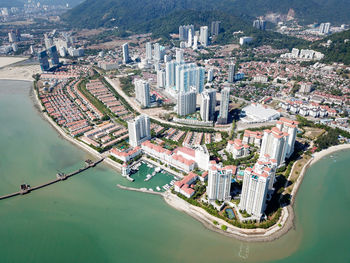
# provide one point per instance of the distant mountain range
(97, 13)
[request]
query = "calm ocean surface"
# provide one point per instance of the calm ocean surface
(88, 219)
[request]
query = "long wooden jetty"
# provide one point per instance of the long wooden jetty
(25, 188)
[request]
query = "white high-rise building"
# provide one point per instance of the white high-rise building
(231, 73)
(205, 104)
(219, 183)
(210, 75)
(156, 52)
(139, 130)
(195, 42)
(161, 79)
(148, 51)
(257, 182)
(189, 40)
(126, 57)
(224, 103)
(290, 127)
(179, 56)
(208, 104)
(12, 37)
(142, 92)
(186, 103)
(275, 145)
(325, 28)
(204, 36)
(170, 76)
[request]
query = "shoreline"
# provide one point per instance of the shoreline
(247, 235)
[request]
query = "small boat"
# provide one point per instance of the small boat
(158, 188)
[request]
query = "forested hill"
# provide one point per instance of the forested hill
(97, 13)
(338, 50)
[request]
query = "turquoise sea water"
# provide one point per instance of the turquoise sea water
(88, 219)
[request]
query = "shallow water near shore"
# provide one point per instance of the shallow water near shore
(88, 219)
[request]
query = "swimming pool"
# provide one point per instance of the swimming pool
(230, 213)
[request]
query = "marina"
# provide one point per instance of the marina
(150, 177)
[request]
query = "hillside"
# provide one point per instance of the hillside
(161, 27)
(121, 13)
(338, 51)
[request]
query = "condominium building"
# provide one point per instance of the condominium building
(210, 75)
(224, 104)
(290, 127)
(53, 55)
(148, 51)
(139, 130)
(257, 182)
(195, 42)
(325, 28)
(259, 24)
(208, 103)
(204, 36)
(219, 183)
(170, 76)
(189, 39)
(161, 80)
(179, 56)
(44, 61)
(231, 73)
(142, 92)
(186, 103)
(125, 49)
(275, 145)
(189, 75)
(183, 32)
(215, 28)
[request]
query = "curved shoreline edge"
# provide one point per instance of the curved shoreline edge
(247, 235)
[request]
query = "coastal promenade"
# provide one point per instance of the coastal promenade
(60, 177)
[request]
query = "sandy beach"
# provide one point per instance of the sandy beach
(319, 155)
(19, 72)
(6, 61)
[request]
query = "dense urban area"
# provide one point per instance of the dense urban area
(234, 119)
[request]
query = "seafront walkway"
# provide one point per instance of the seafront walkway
(60, 177)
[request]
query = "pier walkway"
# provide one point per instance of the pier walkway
(60, 177)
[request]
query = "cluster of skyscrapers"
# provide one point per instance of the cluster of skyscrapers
(191, 37)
